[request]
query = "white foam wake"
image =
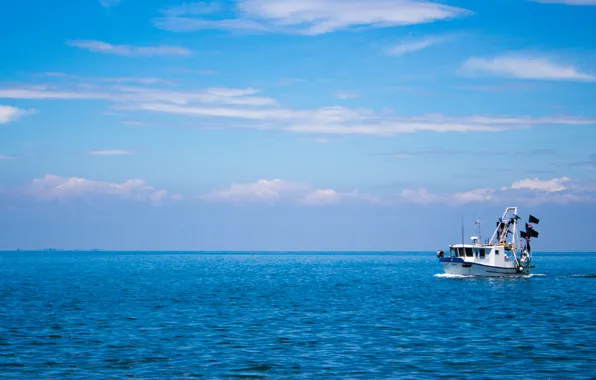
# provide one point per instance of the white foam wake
(447, 275)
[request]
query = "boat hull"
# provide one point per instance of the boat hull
(459, 267)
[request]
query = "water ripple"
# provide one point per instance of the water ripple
(98, 315)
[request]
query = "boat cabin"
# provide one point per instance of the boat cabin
(483, 253)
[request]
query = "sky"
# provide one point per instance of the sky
(295, 124)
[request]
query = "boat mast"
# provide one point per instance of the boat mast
(462, 235)
(514, 237)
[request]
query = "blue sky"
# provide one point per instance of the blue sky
(293, 125)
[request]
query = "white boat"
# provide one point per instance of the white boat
(502, 255)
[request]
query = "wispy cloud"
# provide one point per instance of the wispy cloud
(589, 163)
(53, 74)
(531, 191)
(131, 94)
(424, 196)
(57, 188)
(567, 2)
(348, 121)
(186, 24)
(526, 67)
(121, 80)
(438, 151)
(406, 47)
(324, 197)
(277, 190)
(319, 140)
(245, 108)
(129, 50)
(550, 186)
(315, 17)
(10, 113)
(260, 191)
(111, 152)
(135, 123)
(504, 87)
(7, 157)
(138, 80)
(193, 71)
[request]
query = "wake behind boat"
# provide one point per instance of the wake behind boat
(498, 256)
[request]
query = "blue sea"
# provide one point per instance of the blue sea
(97, 315)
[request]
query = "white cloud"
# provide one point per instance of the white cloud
(234, 97)
(48, 93)
(277, 190)
(245, 108)
(413, 46)
(10, 113)
(129, 50)
(131, 94)
(138, 80)
(262, 190)
(424, 196)
(53, 187)
(110, 152)
(530, 191)
(348, 121)
(6, 157)
(185, 24)
(526, 67)
(315, 17)
(567, 2)
(319, 140)
(324, 197)
(550, 186)
(135, 123)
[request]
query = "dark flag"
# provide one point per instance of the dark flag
(534, 220)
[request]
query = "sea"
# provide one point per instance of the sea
(293, 315)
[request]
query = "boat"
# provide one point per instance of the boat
(504, 254)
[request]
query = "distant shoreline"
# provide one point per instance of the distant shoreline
(250, 252)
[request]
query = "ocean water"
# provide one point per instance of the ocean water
(250, 316)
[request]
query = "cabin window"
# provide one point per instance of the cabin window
(469, 252)
(496, 251)
(452, 252)
(482, 253)
(460, 252)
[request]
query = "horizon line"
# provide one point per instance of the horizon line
(242, 251)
